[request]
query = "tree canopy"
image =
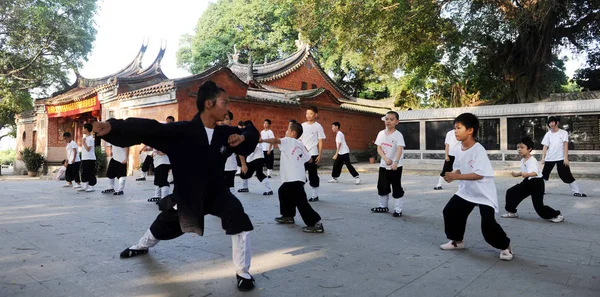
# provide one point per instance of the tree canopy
(422, 52)
(40, 42)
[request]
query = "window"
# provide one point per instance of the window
(24, 136)
(304, 86)
(314, 86)
(435, 134)
(517, 128)
(584, 131)
(489, 134)
(111, 114)
(411, 132)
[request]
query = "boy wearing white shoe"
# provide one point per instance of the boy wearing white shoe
(341, 156)
(88, 160)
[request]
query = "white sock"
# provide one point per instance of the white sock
(574, 187)
(383, 200)
(147, 241)
(84, 185)
(245, 183)
(315, 192)
(241, 253)
(267, 185)
(156, 191)
(121, 183)
(111, 184)
(269, 171)
(143, 174)
(399, 203)
(164, 191)
(440, 181)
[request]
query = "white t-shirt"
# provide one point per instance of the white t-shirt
(118, 153)
(256, 154)
(91, 154)
(531, 165)
(340, 138)
(311, 133)
(389, 144)
(160, 160)
(453, 144)
(555, 143)
(293, 156)
(231, 163)
(266, 135)
(483, 191)
(70, 146)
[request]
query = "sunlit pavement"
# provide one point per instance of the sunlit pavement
(58, 242)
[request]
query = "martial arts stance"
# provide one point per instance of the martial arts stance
(198, 150)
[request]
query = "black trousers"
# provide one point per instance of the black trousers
(313, 176)
(230, 178)
(88, 172)
(72, 172)
(447, 166)
(254, 166)
(457, 211)
(161, 174)
(339, 162)
(292, 196)
(116, 169)
(390, 181)
(564, 172)
(530, 187)
(148, 164)
(222, 204)
(269, 159)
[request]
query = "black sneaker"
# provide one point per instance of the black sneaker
(284, 220)
(579, 195)
(268, 176)
(438, 188)
(397, 214)
(316, 228)
(118, 193)
(140, 179)
(108, 191)
(313, 199)
(268, 193)
(128, 253)
(245, 284)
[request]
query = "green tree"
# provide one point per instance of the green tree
(40, 41)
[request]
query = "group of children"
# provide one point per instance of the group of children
(205, 183)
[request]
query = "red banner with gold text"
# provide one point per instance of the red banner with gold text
(73, 108)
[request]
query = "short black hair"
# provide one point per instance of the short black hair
(292, 121)
(207, 91)
(241, 123)
(248, 123)
(268, 121)
(528, 142)
(67, 134)
(171, 118)
(553, 119)
(88, 127)
(468, 120)
(313, 108)
(337, 124)
(394, 113)
(297, 128)
(63, 161)
(230, 114)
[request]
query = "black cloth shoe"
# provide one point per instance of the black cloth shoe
(128, 253)
(397, 214)
(108, 191)
(284, 220)
(140, 179)
(438, 188)
(245, 284)
(313, 199)
(118, 193)
(268, 193)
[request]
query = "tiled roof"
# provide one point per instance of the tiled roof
(157, 89)
(272, 70)
(363, 108)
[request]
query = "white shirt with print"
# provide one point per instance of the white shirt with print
(311, 133)
(340, 138)
(529, 166)
(389, 145)
(483, 191)
(293, 156)
(555, 142)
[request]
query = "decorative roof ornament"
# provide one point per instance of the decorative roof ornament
(301, 44)
(250, 68)
(236, 54)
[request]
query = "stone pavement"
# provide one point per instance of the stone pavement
(58, 242)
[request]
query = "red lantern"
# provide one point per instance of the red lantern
(96, 114)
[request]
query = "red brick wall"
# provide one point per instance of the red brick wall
(306, 73)
(27, 142)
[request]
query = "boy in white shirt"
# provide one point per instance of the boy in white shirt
(267, 148)
(342, 156)
(72, 173)
(61, 171)
(556, 152)
(291, 193)
(162, 165)
(312, 138)
(117, 168)
(147, 162)
(532, 184)
(251, 164)
(473, 169)
(451, 145)
(88, 160)
(231, 163)
(390, 147)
